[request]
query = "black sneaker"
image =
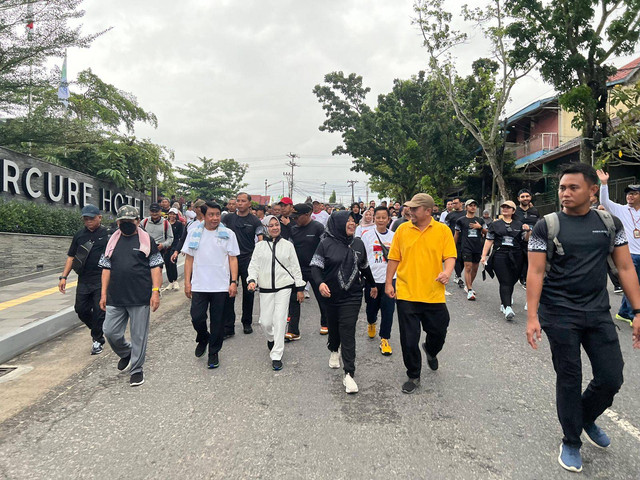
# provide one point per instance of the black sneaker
(270, 345)
(461, 283)
(96, 348)
(431, 361)
(213, 361)
(277, 365)
(618, 290)
(201, 348)
(247, 329)
(136, 379)
(228, 335)
(124, 363)
(410, 385)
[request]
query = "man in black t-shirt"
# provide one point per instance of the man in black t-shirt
(247, 228)
(452, 218)
(469, 233)
(305, 236)
(93, 237)
(528, 215)
(571, 305)
(285, 209)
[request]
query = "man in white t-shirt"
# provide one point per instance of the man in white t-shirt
(319, 214)
(210, 276)
(377, 242)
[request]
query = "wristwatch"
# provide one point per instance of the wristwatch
(636, 311)
(234, 281)
(62, 278)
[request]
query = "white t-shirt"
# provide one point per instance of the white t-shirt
(322, 217)
(211, 261)
(360, 230)
(374, 252)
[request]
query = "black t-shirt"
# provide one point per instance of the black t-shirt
(178, 229)
(92, 272)
(285, 230)
(506, 235)
(246, 229)
(452, 218)
(398, 222)
(305, 240)
(578, 279)
(130, 283)
(528, 217)
(470, 238)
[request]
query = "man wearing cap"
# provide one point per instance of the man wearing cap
(87, 246)
(629, 215)
(246, 228)
(417, 254)
(131, 280)
(286, 209)
(158, 227)
(305, 236)
(528, 215)
(319, 214)
(469, 234)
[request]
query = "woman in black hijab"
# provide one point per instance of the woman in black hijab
(338, 267)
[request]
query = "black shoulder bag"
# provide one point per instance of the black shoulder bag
(80, 258)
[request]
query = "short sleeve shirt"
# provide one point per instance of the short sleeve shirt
(506, 235)
(578, 279)
(246, 229)
(470, 238)
(452, 218)
(372, 244)
(211, 271)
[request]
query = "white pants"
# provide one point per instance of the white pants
(274, 308)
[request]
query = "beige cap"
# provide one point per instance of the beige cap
(508, 203)
(469, 202)
(421, 200)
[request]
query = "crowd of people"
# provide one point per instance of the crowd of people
(398, 256)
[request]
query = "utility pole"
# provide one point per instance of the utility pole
(352, 183)
(323, 185)
(367, 196)
(265, 187)
(291, 163)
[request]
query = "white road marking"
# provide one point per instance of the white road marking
(623, 424)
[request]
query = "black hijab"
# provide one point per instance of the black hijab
(337, 230)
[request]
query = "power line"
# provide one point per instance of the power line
(291, 163)
(352, 183)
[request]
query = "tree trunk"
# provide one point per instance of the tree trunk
(586, 153)
(492, 157)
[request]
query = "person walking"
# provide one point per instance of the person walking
(366, 223)
(527, 214)
(571, 304)
(86, 249)
(452, 218)
(274, 268)
(246, 228)
(470, 230)
(159, 228)
(172, 267)
(210, 277)
(507, 237)
(338, 267)
(418, 252)
(377, 243)
(131, 280)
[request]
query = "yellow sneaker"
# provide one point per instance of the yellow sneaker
(385, 348)
(371, 330)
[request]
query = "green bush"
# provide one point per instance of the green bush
(40, 219)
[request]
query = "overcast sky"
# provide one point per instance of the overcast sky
(234, 79)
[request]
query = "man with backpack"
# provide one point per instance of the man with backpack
(86, 248)
(158, 228)
(571, 304)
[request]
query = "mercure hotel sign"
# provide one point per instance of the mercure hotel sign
(26, 178)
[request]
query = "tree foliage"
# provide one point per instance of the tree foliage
(623, 145)
(574, 41)
(332, 197)
(211, 179)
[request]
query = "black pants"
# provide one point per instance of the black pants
(525, 266)
(596, 332)
(507, 273)
(247, 300)
(172, 268)
(294, 307)
(383, 304)
(342, 320)
(214, 302)
(87, 307)
(434, 319)
(459, 266)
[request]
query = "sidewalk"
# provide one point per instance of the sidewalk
(34, 311)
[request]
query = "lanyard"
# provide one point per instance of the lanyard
(636, 230)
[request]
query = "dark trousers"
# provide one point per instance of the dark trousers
(247, 300)
(172, 268)
(213, 302)
(525, 266)
(87, 307)
(625, 306)
(596, 332)
(383, 304)
(434, 319)
(507, 274)
(342, 320)
(459, 266)
(294, 307)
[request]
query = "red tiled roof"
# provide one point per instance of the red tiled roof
(624, 72)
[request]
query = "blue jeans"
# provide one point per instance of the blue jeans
(625, 308)
(384, 305)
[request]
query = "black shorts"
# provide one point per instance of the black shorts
(471, 257)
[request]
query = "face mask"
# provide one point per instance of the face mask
(128, 228)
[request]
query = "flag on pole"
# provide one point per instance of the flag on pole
(63, 89)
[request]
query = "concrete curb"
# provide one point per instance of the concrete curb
(40, 331)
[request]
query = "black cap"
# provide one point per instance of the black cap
(90, 211)
(154, 207)
(632, 188)
(524, 190)
(302, 208)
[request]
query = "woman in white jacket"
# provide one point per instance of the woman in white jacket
(275, 269)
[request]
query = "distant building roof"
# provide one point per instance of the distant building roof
(624, 74)
(529, 109)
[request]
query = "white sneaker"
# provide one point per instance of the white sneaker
(501, 308)
(508, 314)
(334, 360)
(176, 286)
(350, 385)
(526, 307)
(447, 292)
(471, 295)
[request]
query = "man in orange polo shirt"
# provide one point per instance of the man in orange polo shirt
(417, 253)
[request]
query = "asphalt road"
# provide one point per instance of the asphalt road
(487, 413)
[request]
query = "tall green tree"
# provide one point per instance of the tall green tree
(211, 179)
(622, 147)
(575, 42)
(332, 197)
